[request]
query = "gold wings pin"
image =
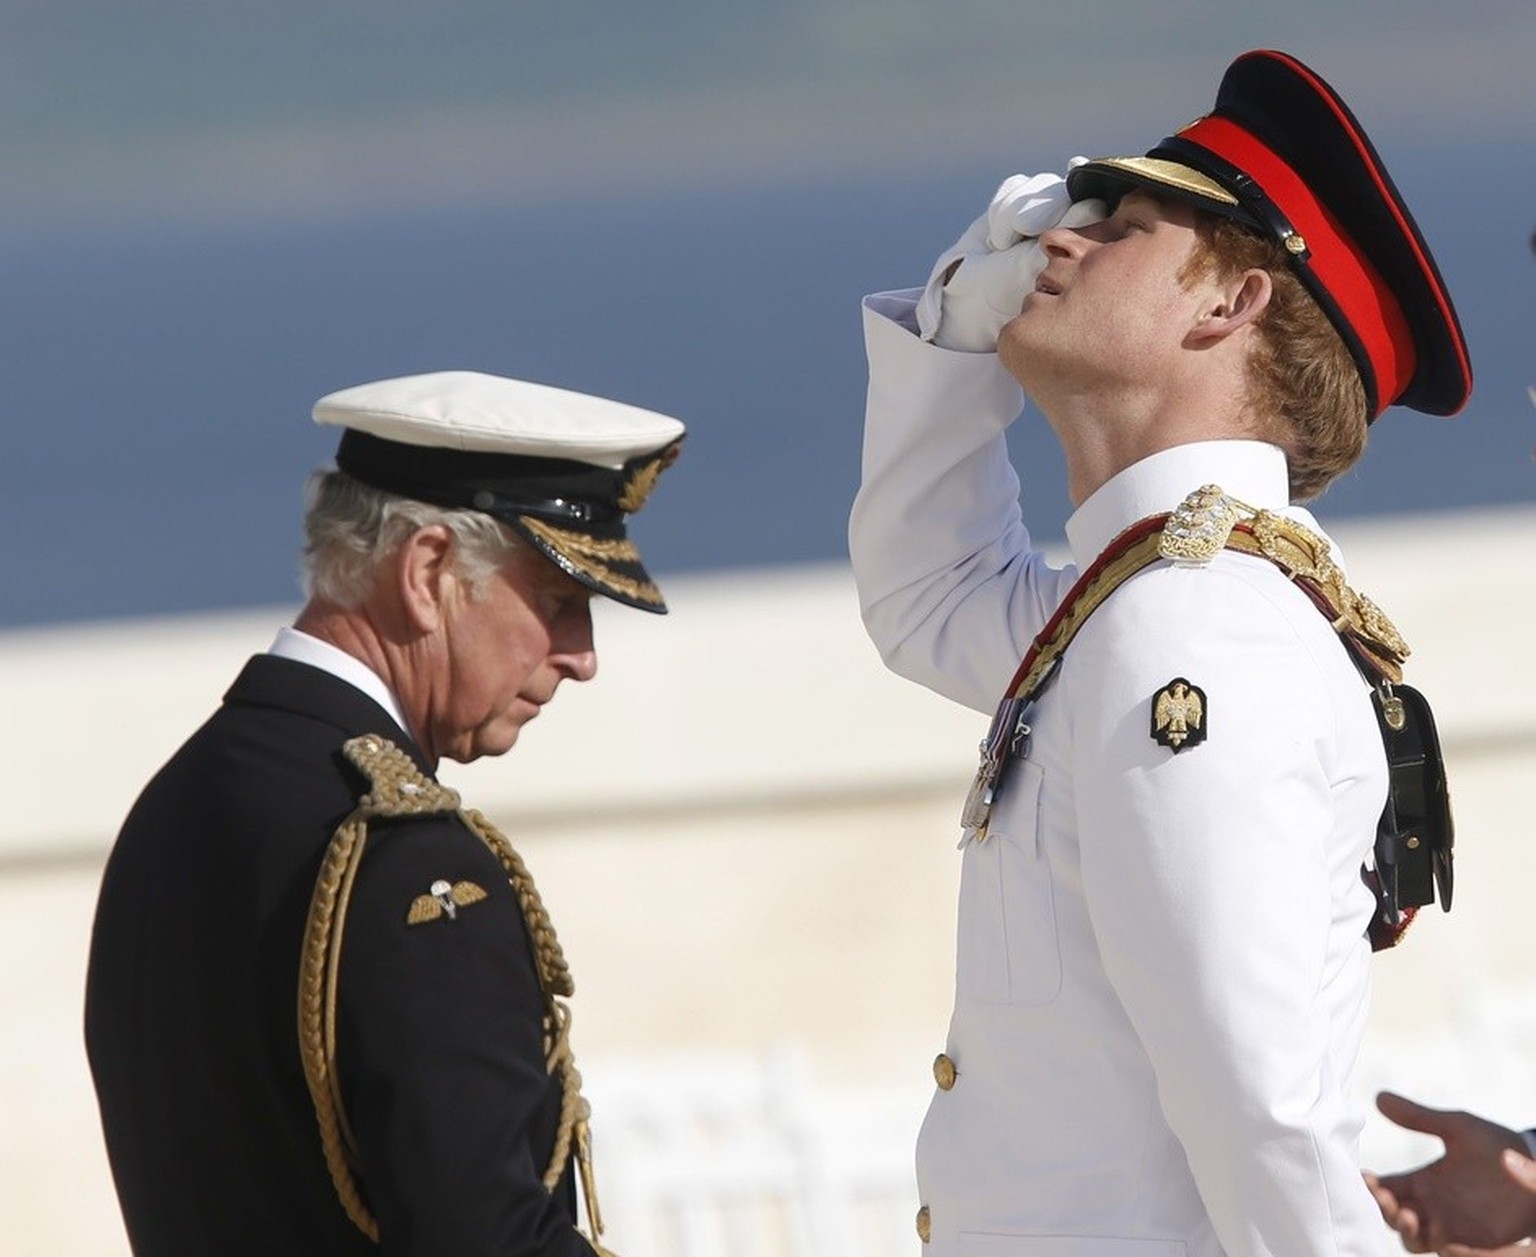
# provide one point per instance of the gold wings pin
(1179, 715)
(443, 899)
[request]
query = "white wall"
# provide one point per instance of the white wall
(744, 830)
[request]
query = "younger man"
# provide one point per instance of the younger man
(1162, 969)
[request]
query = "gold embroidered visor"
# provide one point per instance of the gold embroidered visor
(610, 565)
(1110, 178)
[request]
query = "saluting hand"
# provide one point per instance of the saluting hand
(979, 282)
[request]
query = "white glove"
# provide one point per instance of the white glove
(980, 283)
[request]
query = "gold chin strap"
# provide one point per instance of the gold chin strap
(398, 790)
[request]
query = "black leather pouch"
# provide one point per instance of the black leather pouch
(1415, 836)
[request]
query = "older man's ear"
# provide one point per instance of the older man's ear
(423, 569)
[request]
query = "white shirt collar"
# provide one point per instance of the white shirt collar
(1254, 472)
(292, 643)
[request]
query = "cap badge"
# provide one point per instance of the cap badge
(1179, 715)
(443, 898)
(642, 478)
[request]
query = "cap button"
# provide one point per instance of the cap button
(924, 1224)
(944, 1072)
(483, 500)
(1295, 243)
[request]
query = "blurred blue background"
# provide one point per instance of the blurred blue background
(213, 215)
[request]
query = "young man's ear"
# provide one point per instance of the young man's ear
(1236, 303)
(423, 572)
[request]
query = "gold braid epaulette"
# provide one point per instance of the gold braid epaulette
(398, 789)
(1305, 558)
(1207, 522)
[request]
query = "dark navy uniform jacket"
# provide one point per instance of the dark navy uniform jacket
(192, 995)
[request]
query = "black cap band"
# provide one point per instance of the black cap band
(505, 486)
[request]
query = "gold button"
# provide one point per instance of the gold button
(924, 1226)
(944, 1072)
(1295, 243)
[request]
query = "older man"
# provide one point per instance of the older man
(323, 1010)
(1162, 951)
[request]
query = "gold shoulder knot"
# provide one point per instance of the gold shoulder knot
(1307, 557)
(398, 788)
(1198, 528)
(1296, 548)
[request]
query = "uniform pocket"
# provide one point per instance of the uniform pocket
(1006, 950)
(974, 1244)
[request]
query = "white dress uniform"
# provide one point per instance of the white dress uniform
(1162, 968)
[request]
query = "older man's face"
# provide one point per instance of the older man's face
(499, 656)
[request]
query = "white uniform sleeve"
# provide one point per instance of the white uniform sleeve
(951, 590)
(1218, 883)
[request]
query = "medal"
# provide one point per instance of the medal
(1007, 739)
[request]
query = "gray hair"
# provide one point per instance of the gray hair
(350, 529)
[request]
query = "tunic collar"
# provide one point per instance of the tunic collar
(292, 643)
(1254, 472)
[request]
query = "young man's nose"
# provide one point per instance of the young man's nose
(1063, 241)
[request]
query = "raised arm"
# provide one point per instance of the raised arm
(950, 584)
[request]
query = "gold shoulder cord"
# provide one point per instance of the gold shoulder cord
(1207, 522)
(1306, 559)
(398, 789)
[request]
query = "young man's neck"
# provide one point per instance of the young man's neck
(1100, 440)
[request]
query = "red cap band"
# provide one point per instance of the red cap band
(1355, 285)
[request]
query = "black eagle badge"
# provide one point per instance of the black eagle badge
(1180, 715)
